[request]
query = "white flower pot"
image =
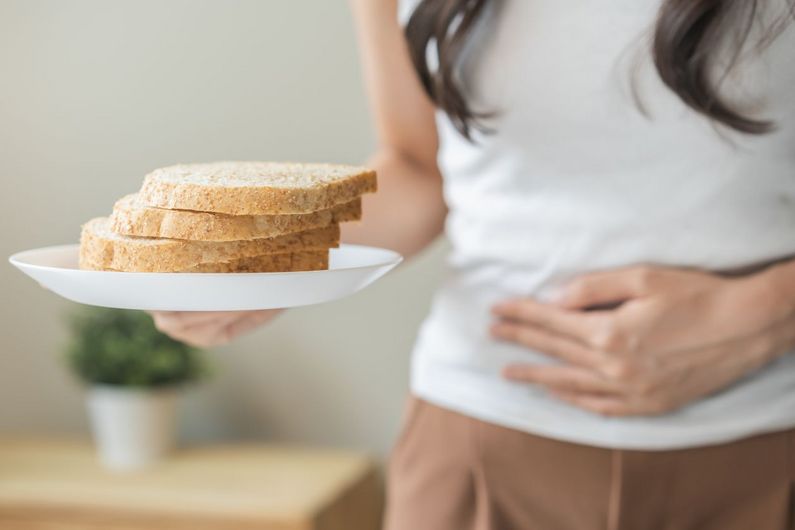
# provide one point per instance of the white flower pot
(133, 428)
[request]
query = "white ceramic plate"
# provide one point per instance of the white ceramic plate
(351, 268)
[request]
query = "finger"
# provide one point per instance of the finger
(203, 338)
(549, 343)
(164, 322)
(561, 378)
(220, 321)
(226, 327)
(193, 318)
(603, 405)
(171, 322)
(203, 334)
(605, 288)
(168, 320)
(249, 322)
(576, 324)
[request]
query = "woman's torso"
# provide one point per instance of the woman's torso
(576, 178)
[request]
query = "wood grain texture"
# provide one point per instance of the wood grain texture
(58, 485)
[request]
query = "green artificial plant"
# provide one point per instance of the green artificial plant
(123, 348)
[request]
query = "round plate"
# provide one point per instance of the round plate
(351, 268)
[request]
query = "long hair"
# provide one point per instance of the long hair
(689, 38)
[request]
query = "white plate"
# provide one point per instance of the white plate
(351, 268)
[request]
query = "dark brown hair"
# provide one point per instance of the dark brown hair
(688, 37)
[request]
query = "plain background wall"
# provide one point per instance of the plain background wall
(93, 95)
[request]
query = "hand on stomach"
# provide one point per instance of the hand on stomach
(648, 340)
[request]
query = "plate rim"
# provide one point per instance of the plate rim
(15, 259)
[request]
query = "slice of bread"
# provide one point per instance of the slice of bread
(309, 260)
(103, 249)
(131, 217)
(255, 188)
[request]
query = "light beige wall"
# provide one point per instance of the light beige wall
(93, 94)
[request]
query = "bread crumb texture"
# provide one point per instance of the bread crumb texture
(310, 260)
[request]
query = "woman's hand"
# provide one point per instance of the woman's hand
(206, 329)
(677, 335)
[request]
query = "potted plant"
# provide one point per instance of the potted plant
(133, 373)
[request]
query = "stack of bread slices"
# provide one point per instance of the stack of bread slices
(228, 217)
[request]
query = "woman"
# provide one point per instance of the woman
(612, 347)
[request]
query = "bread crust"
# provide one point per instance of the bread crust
(255, 188)
(102, 249)
(131, 217)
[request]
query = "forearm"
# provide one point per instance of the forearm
(777, 287)
(408, 211)
(769, 299)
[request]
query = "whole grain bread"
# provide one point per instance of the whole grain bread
(133, 218)
(103, 249)
(309, 260)
(255, 188)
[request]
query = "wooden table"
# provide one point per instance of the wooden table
(58, 485)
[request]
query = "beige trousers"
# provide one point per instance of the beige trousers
(452, 472)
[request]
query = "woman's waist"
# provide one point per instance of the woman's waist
(456, 334)
(759, 404)
(459, 367)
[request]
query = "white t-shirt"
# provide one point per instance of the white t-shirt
(575, 179)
